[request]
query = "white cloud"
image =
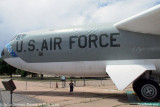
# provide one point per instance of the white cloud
(120, 10)
(23, 15)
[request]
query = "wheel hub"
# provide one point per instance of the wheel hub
(148, 91)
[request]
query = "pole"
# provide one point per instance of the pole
(62, 83)
(11, 93)
(74, 82)
(84, 82)
(26, 83)
(50, 83)
(101, 80)
(11, 76)
(11, 99)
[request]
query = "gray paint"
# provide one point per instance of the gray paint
(132, 46)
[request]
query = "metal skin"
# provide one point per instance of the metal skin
(91, 43)
(81, 51)
(91, 51)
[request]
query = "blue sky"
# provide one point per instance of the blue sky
(18, 16)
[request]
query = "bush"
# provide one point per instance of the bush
(21, 72)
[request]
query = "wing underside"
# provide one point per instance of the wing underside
(147, 22)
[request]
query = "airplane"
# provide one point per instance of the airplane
(128, 51)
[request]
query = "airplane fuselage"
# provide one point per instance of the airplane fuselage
(82, 51)
(128, 51)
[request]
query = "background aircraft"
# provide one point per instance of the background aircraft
(129, 52)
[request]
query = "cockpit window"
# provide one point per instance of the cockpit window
(14, 37)
(19, 37)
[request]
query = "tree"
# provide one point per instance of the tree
(3, 67)
(22, 72)
(6, 68)
(10, 70)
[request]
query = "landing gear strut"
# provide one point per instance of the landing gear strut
(147, 90)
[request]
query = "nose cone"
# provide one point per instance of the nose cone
(8, 52)
(10, 56)
(5, 54)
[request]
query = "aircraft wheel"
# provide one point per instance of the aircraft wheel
(147, 90)
(136, 85)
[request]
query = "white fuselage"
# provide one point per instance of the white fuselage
(78, 68)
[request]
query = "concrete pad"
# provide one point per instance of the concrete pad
(94, 94)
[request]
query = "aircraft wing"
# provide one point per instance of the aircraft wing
(146, 22)
(123, 75)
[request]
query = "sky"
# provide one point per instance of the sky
(18, 16)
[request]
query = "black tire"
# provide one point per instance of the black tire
(147, 90)
(136, 85)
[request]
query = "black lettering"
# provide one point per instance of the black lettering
(82, 44)
(21, 46)
(92, 39)
(57, 41)
(50, 43)
(101, 39)
(112, 40)
(40, 53)
(44, 45)
(31, 45)
(71, 41)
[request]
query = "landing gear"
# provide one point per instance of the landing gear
(147, 90)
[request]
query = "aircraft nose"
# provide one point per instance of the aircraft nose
(2, 53)
(8, 52)
(9, 55)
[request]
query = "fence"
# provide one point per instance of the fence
(54, 82)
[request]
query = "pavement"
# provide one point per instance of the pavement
(17, 99)
(96, 93)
